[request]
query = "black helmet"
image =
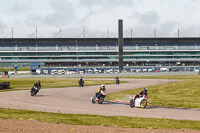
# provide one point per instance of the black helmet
(145, 89)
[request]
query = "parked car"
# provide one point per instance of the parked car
(71, 72)
(61, 71)
(138, 70)
(150, 70)
(45, 72)
(54, 72)
(133, 70)
(144, 70)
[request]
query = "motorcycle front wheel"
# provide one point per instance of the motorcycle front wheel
(143, 103)
(32, 93)
(93, 100)
(101, 99)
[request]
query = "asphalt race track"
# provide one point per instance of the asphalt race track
(77, 101)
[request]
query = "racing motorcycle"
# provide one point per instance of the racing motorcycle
(99, 100)
(81, 83)
(34, 90)
(139, 102)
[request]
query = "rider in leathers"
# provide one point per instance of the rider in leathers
(141, 94)
(103, 88)
(38, 85)
(81, 82)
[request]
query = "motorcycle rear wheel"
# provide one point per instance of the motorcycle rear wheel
(93, 100)
(132, 104)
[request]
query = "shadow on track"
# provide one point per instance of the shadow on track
(41, 95)
(110, 102)
(148, 107)
(122, 103)
(156, 107)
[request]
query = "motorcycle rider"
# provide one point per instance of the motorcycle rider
(144, 92)
(117, 80)
(102, 88)
(141, 94)
(37, 84)
(81, 82)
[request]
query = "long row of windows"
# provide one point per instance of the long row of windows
(99, 55)
(96, 58)
(52, 58)
(55, 53)
(135, 53)
(164, 53)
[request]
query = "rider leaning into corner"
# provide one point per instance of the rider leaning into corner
(141, 94)
(37, 84)
(102, 88)
(81, 82)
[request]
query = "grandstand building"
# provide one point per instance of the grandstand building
(94, 52)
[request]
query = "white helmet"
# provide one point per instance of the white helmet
(102, 86)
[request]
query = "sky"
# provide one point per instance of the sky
(99, 18)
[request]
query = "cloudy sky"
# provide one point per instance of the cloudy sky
(98, 17)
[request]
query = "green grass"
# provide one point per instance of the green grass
(115, 121)
(181, 94)
(12, 69)
(27, 83)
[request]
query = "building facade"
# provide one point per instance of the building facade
(95, 52)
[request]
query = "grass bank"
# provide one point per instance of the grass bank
(27, 83)
(115, 121)
(6, 69)
(181, 94)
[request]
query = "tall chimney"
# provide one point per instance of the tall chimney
(120, 44)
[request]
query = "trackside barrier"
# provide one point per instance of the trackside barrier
(4, 85)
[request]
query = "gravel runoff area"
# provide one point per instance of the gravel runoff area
(77, 101)
(32, 126)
